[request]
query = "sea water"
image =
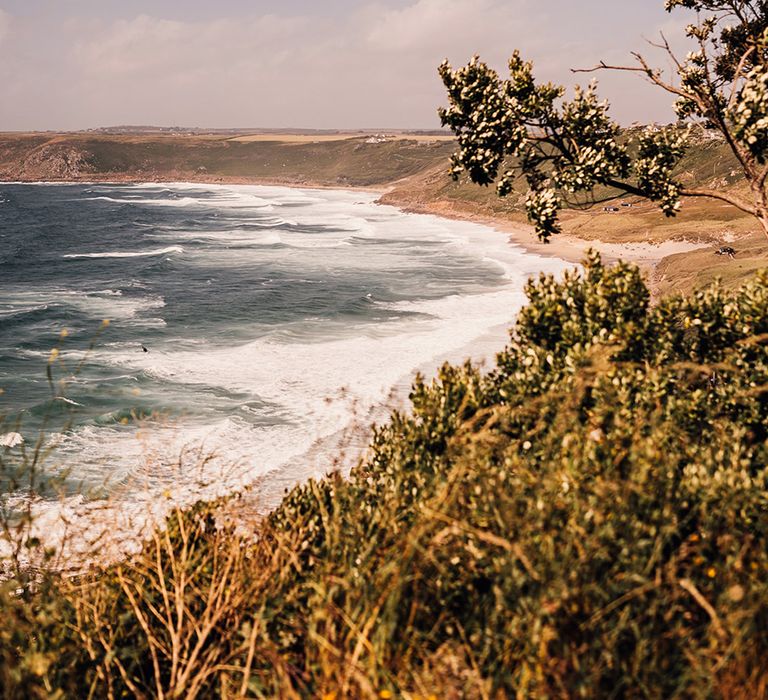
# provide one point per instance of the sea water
(247, 324)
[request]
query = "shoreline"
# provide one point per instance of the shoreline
(338, 450)
(562, 245)
(567, 247)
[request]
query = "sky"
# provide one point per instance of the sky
(321, 64)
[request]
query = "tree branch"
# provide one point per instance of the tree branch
(645, 69)
(737, 73)
(624, 187)
(723, 197)
(666, 47)
(762, 177)
(706, 106)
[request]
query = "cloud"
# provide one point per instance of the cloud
(431, 30)
(427, 23)
(374, 65)
(148, 44)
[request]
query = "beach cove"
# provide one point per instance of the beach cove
(279, 323)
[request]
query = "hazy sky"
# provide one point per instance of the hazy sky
(71, 64)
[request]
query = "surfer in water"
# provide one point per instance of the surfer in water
(143, 347)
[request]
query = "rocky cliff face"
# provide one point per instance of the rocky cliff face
(57, 161)
(30, 160)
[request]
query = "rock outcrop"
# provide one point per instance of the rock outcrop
(57, 161)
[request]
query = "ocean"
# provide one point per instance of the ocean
(249, 327)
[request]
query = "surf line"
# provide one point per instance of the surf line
(141, 254)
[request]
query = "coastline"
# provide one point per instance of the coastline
(347, 444)
(563, 246)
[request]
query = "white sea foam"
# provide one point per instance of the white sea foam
(97, 304)
(310, 387)
(168, 202)
(139, 254)
(20, 310)
(223, 198)
(319, 386)
(238, 201)
(69, 401)
(11, 440)
(235, 236)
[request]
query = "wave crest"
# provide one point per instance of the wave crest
(139, 254)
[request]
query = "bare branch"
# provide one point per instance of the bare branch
(668, 49)
(705, 103)
(624, 187)
(723, 197)
(652, 74)
(605, 66)
(737, 74)
(690, 587)
(761, 178)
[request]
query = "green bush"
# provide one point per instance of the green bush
(589, 519)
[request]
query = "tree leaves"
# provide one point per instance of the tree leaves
(569, 151)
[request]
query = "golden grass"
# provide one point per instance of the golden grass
(699, 220)
(686, 272)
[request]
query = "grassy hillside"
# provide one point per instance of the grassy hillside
(587, 520)
(708, 162)
(340, 161)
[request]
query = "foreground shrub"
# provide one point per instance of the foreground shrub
(590, 519)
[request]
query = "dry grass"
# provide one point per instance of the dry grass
(189, 597)
(686, 272)
(334, 162)
(698, 221)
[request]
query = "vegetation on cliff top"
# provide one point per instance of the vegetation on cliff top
(586, 520)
